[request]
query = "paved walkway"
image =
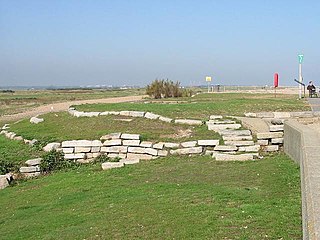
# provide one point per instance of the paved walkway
(315, 104)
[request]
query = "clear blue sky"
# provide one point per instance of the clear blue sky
(64, 42)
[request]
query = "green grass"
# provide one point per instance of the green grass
(171, 198)
(203, 105)
(62, 126)
(16, 151)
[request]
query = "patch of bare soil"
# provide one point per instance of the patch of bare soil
(182, 133)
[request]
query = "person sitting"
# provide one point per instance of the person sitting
(312, 89)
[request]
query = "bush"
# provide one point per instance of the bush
(54, 160)
(164, 88)
(6, 167)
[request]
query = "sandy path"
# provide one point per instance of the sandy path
(63, 106)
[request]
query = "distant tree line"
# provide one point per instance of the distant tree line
(166, 89)
(7, 91)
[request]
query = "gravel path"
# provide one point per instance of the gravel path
(58, 107)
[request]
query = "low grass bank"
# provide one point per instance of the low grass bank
(203, 105)
(170, 198)
(62, 126)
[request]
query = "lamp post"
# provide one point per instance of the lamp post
(300, 57)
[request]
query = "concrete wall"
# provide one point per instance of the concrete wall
(302, 144)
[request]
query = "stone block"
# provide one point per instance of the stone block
(146, 144)
(276, 128)
(95, 149)
(104, 113)
(233, 157)
(131, 142)
(301, 114)
(18, 138)
(128, 161)
(159, 145)
(139, 156)
(29, 169)
(165, 119)
(150, 115)
(113, 142)
(110, 165)
(208, 142)
(277, 121)
(225, 148)
(96, 143)
(189, 144)
(163, 153)
(125, 113)
(34, 162)
(254, 148)
(171, 145)
(111, 136)
(136, 150)
(114, 149)
(90, 114)
(67, 150)
(89, 159)
(151, 151)
(31, 174)
(253, 115)
(265, 115)
(82, 149)
(277, 140)
(271, 148)
(76, 143)
(96, 154)
(130, 136)
(263, 142)
(72, 156)
(216, 127)
(215, 117)
(114, 113)
(136, 114)
(51, 146)
(186, 151)
(281, 114)
(268, 135)
(226, 121)
(239, 143)
(189, 122)
(117, 155)
(36, 120)
(3, 181)
(236, 138)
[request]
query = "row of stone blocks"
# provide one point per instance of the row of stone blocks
(148, 115)
(283, 115)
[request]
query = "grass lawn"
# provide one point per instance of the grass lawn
(169, 198)
(62, 126)
(203, 105)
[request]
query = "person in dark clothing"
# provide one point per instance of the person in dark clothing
(312, 89)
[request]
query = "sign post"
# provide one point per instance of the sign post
(275, 83)
(300, 58)
(208, 80)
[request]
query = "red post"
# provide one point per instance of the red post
(275, 83)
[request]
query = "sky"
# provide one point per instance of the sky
(133, 42)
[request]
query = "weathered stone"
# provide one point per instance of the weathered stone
(236, 138)
(125, 113)
(130, 136)
(271, 148)
(146, 144)
(36, 120)
(90, 114)
(171, 145)
(131, 142)
(159, 145)
(89, 159)
(139, 156)
(277, 140)
(111, 136)
(162, 153)
(29, 169)
(215, 117)
(96, 154)
(227, 121)
(233, 157)
(189, 144)
(51, 146)
(151, 151)
(113, 142)
(150, 115)
(239, 143)
(33, 142)
(301, 114)
(115, 149)
(31, 174)
(277, 121)
(265, 115)
(276, 128)
(3, 181)
(189, 122)
(114, 113)
(208, 142)
(77, 143)
(128, 161)
(281, 115)
(253, 115)
(216, 127)
(136, 150)
(18, 138)
(95, 149)
(74, 155)
(136, 114)
(82, 149)
(225, 148)
(254, 148)
(165, 119)
(267, 135)
(104, 113)
(117, 155)
(263, 142)
(185, 151)
(110, 165)
(67, 150)
(34, 162)
(96, 143)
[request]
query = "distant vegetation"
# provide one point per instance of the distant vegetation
(166, 89)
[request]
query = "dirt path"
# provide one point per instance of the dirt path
(63, 106)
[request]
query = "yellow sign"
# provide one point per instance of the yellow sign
(208, 79)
